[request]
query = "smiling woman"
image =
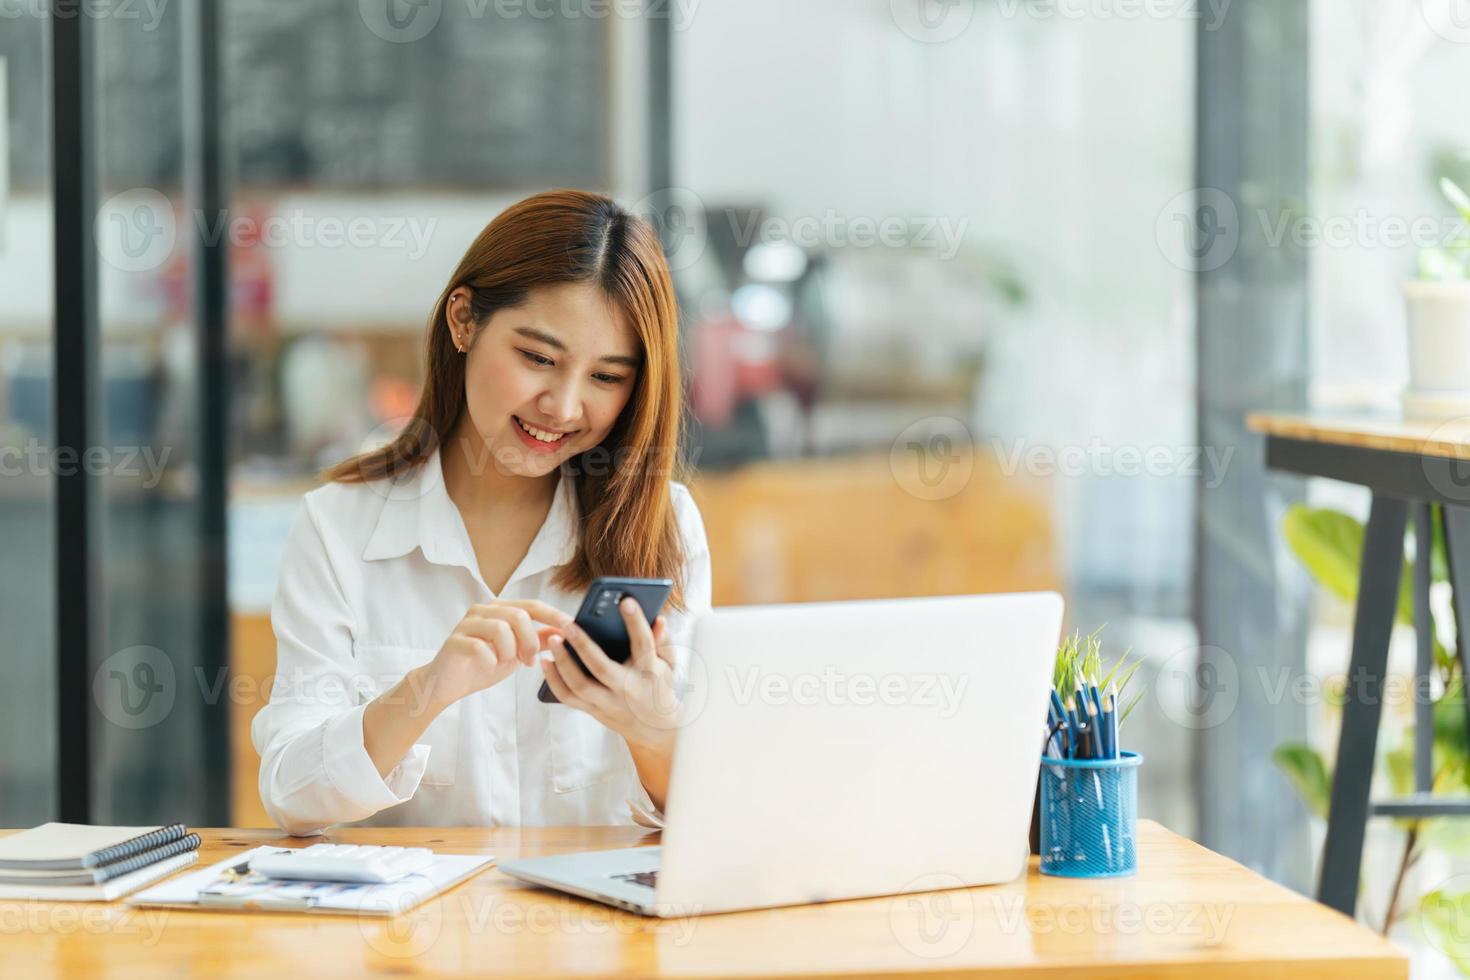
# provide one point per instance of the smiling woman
(421, 579)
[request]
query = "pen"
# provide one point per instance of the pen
(1061, 710)
(1074, 727)
(1093, 742)
(1113, 715)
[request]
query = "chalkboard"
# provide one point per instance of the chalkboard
(321, 93)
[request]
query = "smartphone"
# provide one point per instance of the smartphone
(603, 620)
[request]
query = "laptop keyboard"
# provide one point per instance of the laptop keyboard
(646, 878)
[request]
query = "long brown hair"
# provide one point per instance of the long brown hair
(628, 525)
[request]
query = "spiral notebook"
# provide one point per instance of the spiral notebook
(77, 847)
(103, 872)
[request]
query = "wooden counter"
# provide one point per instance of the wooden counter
(1187, 913)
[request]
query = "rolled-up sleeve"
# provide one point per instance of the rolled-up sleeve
(314, 768)
(698, 598)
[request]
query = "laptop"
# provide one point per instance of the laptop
(841, 750)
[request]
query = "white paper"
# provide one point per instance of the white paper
(387, 899)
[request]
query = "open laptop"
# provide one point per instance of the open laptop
(841, 750)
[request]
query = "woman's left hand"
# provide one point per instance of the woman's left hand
(637, 699)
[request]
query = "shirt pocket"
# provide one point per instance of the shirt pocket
(380, 666)
(584, 752)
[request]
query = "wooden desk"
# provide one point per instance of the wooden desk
(1188, 913)
(1408, 465)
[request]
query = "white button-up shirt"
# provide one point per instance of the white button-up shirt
(374, 578)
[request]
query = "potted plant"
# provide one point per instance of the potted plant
(1438, 308)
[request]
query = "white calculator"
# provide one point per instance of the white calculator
(357, 863)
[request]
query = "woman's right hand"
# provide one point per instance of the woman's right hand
(488, 644)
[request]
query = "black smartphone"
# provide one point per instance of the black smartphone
(603, 621)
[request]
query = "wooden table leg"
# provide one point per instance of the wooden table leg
(1378, 596)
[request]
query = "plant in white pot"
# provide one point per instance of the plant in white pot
(1438, 305)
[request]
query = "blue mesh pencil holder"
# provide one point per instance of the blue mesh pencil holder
(1089, 816)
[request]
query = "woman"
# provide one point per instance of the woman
(425, 590)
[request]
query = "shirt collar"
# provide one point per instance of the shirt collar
(418, 513)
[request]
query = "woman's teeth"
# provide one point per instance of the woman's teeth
(540, 434)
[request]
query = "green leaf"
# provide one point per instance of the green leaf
(1450, 835)
(1449, 718)
(1455, 196)
(1303, 765)
(1439, 560)
(1400, 763)
(1329, 544)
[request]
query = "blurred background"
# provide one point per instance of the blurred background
(975, 296)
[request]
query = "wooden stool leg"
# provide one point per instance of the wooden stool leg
(1378, 594)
